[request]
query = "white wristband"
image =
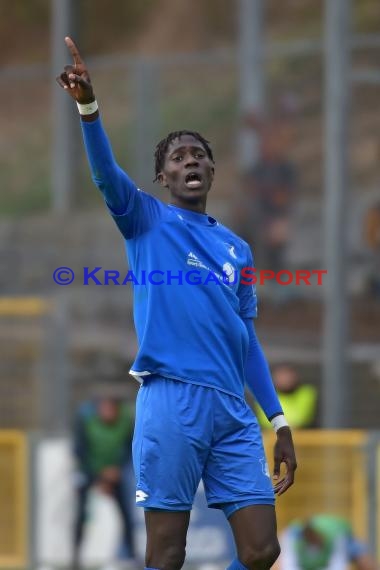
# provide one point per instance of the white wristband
(87, 108)
(279, 422)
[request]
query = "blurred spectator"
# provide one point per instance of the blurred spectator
(103, 438)
(372, 238)
(270, 186)
(299, 401)
(322, 542)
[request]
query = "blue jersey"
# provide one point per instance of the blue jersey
(188, 316)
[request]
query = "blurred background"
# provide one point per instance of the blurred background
(287, 93)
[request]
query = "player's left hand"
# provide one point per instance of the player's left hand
(75, 78)
(284, 453)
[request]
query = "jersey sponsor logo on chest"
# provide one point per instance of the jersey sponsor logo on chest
(226, 276)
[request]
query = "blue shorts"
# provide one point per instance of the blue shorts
(184, 433)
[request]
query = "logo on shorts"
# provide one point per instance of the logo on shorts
(141, 496)
(265, 467)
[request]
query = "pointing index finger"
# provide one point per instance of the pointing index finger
(73, 50)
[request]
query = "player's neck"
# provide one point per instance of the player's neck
(197, 207)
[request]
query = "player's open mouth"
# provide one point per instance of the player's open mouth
(193, 180)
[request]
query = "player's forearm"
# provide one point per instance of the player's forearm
(258, 376)
(113, 182)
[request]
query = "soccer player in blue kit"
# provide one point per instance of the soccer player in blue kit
(197, 350)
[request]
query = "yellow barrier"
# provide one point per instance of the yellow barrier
(24, 306)
(331, 477)
(13, 499)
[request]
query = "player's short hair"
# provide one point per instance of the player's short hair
(163, 145)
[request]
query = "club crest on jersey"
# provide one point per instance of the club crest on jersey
(229, 272)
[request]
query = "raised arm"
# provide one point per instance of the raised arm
(107, 175)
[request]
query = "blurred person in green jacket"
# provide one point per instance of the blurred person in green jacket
(299, 401)
(102, 446)
(323, 542)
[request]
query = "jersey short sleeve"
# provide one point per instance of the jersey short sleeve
(247, 293)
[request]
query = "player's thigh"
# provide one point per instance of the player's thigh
(255, 531)
(170, 443)
(166, 535)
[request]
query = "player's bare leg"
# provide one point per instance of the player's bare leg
(255, 533)
(166, 539)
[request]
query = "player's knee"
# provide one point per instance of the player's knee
(174, 558)
(170, 557)
(260, 558)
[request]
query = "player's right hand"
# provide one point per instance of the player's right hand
(75, 79)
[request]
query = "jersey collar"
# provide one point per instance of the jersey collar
(195, 217)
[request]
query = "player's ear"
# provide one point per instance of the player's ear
(162, 180)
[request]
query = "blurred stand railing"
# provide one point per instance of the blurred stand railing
(304, 47)
(35, 388)
(143, 72)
